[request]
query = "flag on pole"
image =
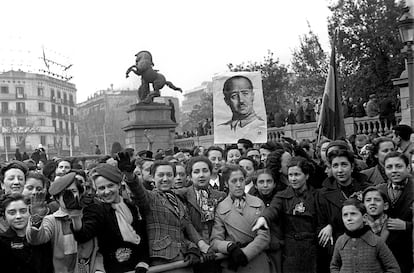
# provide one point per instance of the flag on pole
(331, 120)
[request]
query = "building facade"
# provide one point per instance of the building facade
(37, 110)
(193, 97)
(101, 118)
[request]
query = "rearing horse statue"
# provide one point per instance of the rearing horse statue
(143, 67)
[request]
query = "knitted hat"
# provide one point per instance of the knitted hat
(61, 183)
(107, 171)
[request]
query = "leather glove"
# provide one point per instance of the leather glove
(209, 256)
(192, 256)
(124, 162)
(71, 201)
(140, 270)
(87, 199)
(236, 257)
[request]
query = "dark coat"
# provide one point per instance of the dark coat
(329, 200)
(374, 175)
(400, 242)
(296, 214)
(99, 220)
(189, 198)
(18, 256)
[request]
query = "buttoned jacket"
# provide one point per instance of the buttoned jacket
(232, 226)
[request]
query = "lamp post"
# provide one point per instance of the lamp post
(406, 29)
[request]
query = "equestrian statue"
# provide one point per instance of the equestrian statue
(143, 67)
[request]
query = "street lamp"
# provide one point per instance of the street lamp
(406, 28)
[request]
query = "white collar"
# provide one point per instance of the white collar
(215, 181)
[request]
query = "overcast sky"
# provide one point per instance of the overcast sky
(190, 40)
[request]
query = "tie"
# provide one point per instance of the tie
(215, 187)
(173, 201)
(239, 204)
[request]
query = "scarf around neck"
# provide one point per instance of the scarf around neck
(124, 219)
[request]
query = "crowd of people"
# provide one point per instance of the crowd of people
(342, 205)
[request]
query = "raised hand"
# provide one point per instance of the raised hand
(124, 162)
(149, 136)
(71, 201)
(38, 204)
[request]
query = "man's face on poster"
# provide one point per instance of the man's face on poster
(240, 97)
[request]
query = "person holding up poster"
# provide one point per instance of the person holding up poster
(239, 96)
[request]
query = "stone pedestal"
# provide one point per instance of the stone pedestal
(402, 83)
(155, 117)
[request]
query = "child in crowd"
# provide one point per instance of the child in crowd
(359, 249)
(376, 203)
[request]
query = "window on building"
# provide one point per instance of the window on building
(4, 107)
(54, 124)
(20, 108)
(53, 108)
(43, 140)
(58, 94)
(5, 90)
(6, 122)
(40, 92)
(70, 98)
(20, 91)
(65, 110)
(65, 98)
(59, 110)
(67, 126)
(67, 141)
(21, 122)
(42, 122)
(60, 125)
(41, 106)
(72, 127)
(71, 111)
(52, 93)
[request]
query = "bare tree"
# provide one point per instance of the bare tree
(19, 129)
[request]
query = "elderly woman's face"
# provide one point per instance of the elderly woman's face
(14, 181)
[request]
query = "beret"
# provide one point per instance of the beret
(108, 171)
(61, 183)
(145, 154)
(15, 164)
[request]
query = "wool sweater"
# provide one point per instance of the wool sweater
(367, 254)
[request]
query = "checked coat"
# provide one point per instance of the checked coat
(169, 234)
(232, 226)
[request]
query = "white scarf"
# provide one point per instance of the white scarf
(124, 219)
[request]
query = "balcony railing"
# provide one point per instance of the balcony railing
(373, 125)
(20, 96)
(22, 113)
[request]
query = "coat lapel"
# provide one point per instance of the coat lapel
(234, 219)
(192, 199)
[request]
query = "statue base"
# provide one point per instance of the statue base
(155, 117)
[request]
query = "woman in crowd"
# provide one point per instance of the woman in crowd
(180, 179)
(68, 255)
(232, 154)
(171, 235)
(201, 202)
(13, 181)
(63, 167)
(216, 154)
(381, 147)
(17, 255)
(264, 188)
(35, 183)
(277, 164)
(250, 166)
(343, 184)
(114, 218)
(232, 232)
(294, 211)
